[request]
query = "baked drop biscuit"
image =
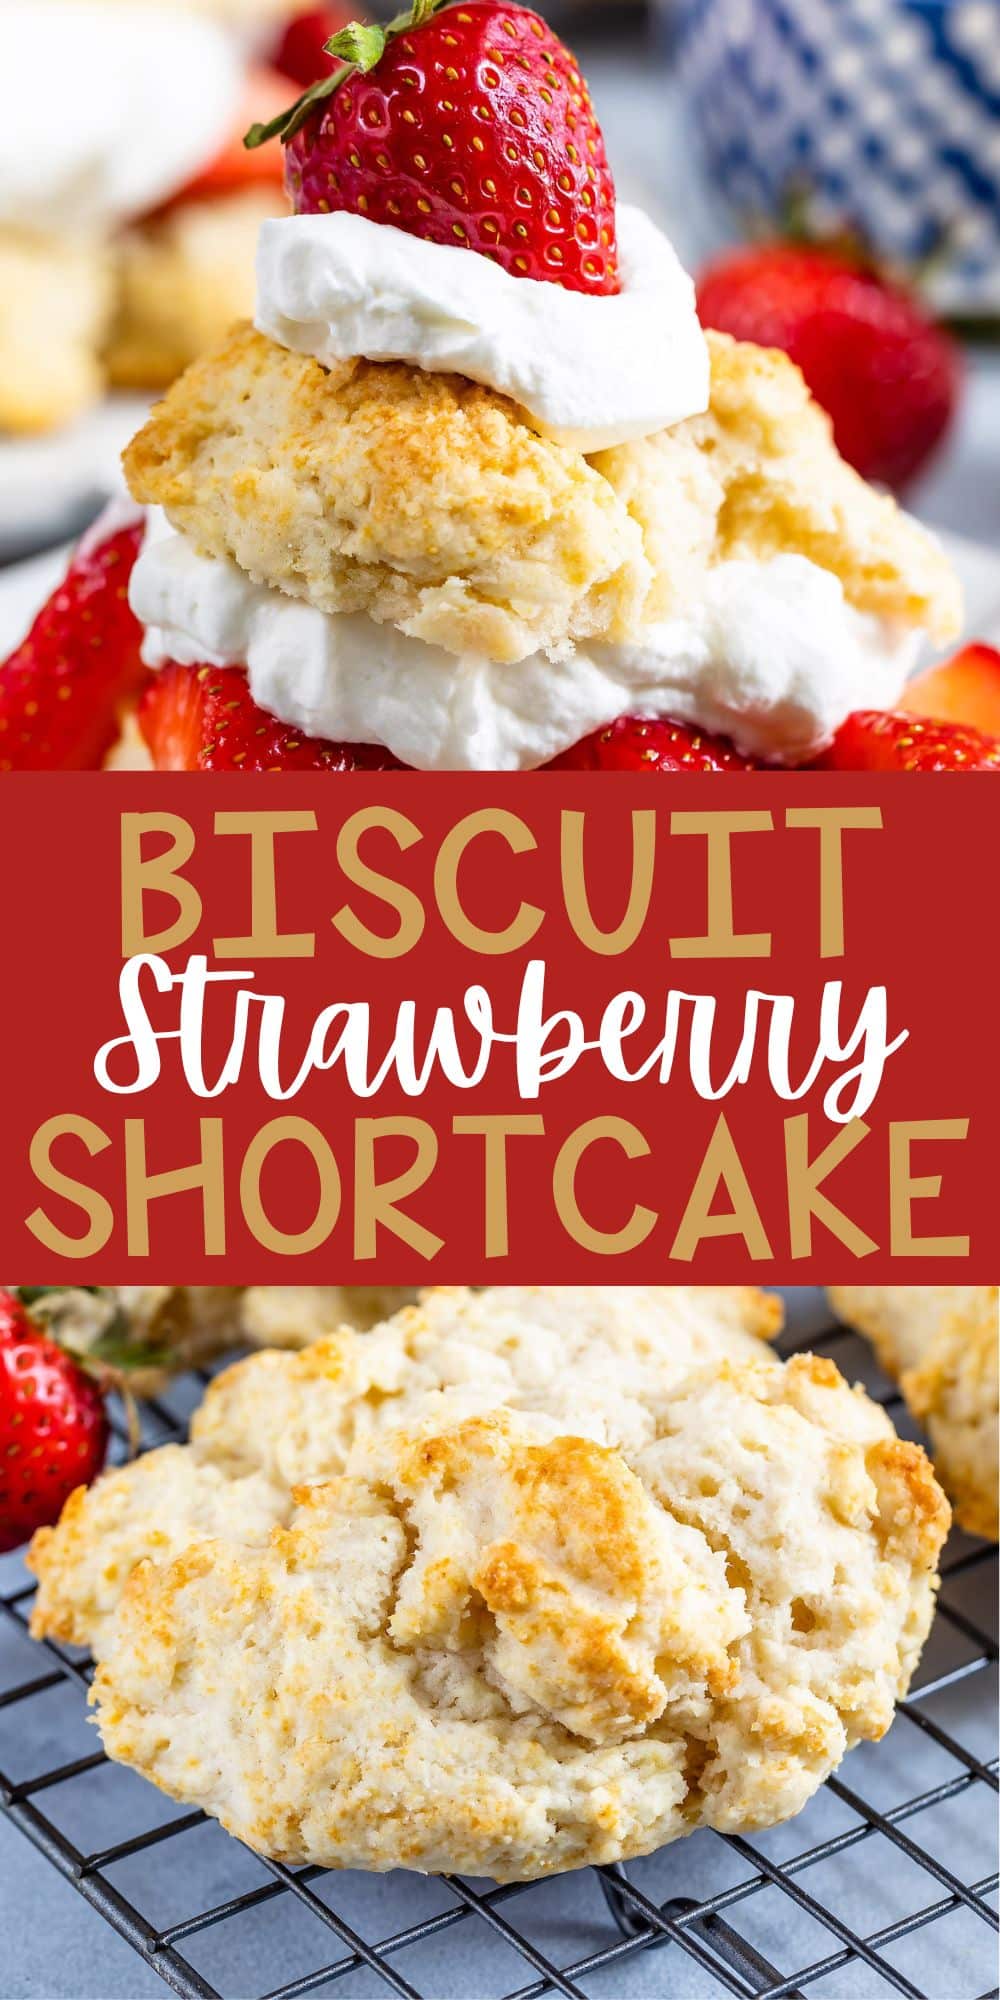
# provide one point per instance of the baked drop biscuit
(56, 301)
(940, 1343)
(182, 278)
(431, 504)
(513, 1583)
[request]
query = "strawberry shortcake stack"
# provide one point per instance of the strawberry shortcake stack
(475, 490)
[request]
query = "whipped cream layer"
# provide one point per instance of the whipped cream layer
(589, 372)
(772, 657)
(105, 111)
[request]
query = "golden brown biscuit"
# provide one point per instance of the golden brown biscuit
(420, 499)
(55, 303)
(295, 1315)
(431, 505)
(184, 1326)
(294, 1416)
(558, 1575)
(759, 476)
(940, 1343)
(182, 279)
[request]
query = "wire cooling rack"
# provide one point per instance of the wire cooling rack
(882, 1885)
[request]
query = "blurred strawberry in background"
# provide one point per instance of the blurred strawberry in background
(301, 53)
(265, 94)
(886, 373)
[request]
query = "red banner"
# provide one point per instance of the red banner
(500, 1029)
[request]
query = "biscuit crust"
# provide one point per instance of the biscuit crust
(517, 1581)
(940, 1343)
(420, 499)
(188, 1325)
(55, 303)
(431, 505)
(759, 476)
(295, 1315)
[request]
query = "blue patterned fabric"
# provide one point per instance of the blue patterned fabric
(880, 113)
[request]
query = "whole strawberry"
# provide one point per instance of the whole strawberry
(302, 52)
(53, 1427)
(468, 125)
(888, 376)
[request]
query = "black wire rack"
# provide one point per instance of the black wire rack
(882, 1885)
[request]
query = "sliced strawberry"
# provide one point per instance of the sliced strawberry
(964, 689)
(53, 1428)
(234, 167)
(302, 53)
(888, 376)
(633, 745)
(63, 690)
(205, 719)
(877, 740)
(467, 124)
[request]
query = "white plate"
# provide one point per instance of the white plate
(51, 486)
(24, 588)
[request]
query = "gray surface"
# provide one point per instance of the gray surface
(53, 1943)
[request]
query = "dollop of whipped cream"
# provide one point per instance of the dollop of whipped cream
(589, 372)
(106, 111)
(772, 656)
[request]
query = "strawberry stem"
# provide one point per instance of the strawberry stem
(106, 1348)
(358, 47)
(30, 1294)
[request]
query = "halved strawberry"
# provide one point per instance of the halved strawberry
(63, 690)
(631, 744)
(889, 378)
(963, 689)
(877, 740)
(205, 719)
(467, 124)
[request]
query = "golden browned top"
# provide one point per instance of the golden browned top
(516, 1581)
(429, 503)
(941, 1342)
(759, 476)
(420, 499)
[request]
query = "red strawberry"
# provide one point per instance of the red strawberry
(965, 689)
(302, 53)
(876, 740)
(469, 126)
(53, 1428)
(887, 375)
(633, 745)
(62, 691)
(205, 719)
